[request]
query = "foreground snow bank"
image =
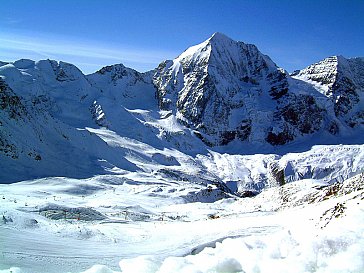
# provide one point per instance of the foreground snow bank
(338, 248)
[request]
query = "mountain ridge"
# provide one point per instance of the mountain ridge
(220, 95)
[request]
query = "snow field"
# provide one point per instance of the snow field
(245, 235)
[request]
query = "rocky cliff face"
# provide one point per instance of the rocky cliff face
(227, 90)
(342, 81)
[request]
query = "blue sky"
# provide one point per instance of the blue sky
(141, 34)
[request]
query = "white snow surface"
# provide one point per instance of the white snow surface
(51, 225)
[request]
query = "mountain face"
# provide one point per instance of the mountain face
(219, 94)
(227, 90)
(342, 81)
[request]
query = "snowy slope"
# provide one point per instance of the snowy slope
(44, 113)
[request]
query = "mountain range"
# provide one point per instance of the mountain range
(219, 96)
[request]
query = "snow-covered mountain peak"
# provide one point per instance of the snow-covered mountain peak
(218, 36)
(342, 81)
(327, 71)
(122, 161)
(354, 69)
(24, 64)
(67, 72)
(124, 86)
(219, 40)
(212, 86)
(111, 68)
(115, 72)
(228, 90)
(219, 49)
(323, 72)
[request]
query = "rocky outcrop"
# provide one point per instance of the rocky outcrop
(11, 108)
(10, 103)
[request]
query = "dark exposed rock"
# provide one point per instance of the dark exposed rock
(277, 93)
(227, 137)
(304, 114)
(244, 130)
(345, 94)
(11, 103)
(64, 72)
(333, 128)
(117, 71)
(356, 119)
(247, 194)
(280, 138)
(203, 139)
(276, 174)
(7, 148)
(279, 84)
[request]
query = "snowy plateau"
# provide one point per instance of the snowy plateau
(216, 161)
